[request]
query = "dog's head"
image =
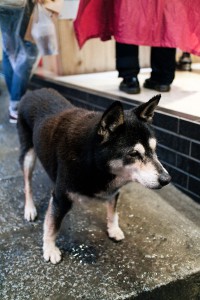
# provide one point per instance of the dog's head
(127, 145)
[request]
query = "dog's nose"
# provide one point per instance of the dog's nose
(164, 179)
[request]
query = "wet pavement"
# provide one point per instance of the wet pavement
(159, 258)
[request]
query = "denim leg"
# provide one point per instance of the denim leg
(7, 70)
(18, 55)
(22, 72)
(9, 21)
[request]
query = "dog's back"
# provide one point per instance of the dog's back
(40, 104)
(35, 107)
(48, 123)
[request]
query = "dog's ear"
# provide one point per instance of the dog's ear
(145, 111)
(111, 119)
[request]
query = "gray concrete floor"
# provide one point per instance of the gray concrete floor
(159, 258)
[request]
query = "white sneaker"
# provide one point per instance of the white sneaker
(13, 116)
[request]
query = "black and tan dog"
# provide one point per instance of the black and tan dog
(85, 153)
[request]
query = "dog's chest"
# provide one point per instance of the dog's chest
(112, 188)
(103, 196)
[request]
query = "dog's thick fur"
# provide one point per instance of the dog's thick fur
(85, 153)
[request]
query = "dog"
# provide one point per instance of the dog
(85, 153)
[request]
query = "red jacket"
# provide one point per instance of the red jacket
(164, 23)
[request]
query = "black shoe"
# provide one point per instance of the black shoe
(153, 85)
(130, 85)
(185, 62)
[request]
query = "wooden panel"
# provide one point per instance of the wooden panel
(95, 56)
(144, 56)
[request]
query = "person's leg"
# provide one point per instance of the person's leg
(18, 57)
(21, 75)
(7, 70)
(163, 66)
(8, 75)
(127, 61)
(127, 65)
(23, 69)
(9, 21)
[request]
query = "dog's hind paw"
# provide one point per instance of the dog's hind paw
(30, 213)
(116, 233)
(52, 254)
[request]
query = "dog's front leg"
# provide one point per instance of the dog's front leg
(114, 231)
(58, 207)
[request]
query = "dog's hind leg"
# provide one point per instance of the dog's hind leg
(58, 207)
(30, 212)
(27, 161)
(114, 231)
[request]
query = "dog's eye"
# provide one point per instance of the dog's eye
(134, 154)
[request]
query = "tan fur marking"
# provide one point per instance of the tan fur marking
(113, 228)
(146, 174)
(140, 148)
(50, 251)
(30, 212)
(152, 144)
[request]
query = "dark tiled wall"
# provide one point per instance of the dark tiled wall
(178, 135)
(179, 150)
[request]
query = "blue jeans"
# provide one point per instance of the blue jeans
(19, 56)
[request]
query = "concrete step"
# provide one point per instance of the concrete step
(159, 258)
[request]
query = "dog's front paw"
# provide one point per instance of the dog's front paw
(30, 213)
(115, 233)
(52, 253)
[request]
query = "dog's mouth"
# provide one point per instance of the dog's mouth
(155, 186)
(158, 187)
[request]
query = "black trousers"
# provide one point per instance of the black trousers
(163, 62)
